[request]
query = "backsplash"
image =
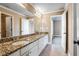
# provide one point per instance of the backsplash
(7, 39)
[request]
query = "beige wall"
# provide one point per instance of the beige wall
(47, 18)
(70, 29)
(37, 20)
(45, 23)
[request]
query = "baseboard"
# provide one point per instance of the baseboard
(68, 54)
(56, 35)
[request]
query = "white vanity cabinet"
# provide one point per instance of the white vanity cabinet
(25, 51)
(32, 49)
(42, 43)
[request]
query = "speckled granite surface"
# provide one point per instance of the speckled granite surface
(6, 48)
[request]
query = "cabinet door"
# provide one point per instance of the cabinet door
(41, 45)
(34, 51)
(45, 40)
(24, 50)
(17, 53)
(36, 42)
(31, 45)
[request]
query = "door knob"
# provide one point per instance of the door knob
(76, 42)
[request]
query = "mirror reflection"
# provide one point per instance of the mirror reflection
(6, 25)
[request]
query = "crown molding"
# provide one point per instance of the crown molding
(11, 10)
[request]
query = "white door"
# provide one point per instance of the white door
(64, 32)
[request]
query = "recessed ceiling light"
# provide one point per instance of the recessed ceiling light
(38, 9)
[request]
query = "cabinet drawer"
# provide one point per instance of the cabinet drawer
(26, 54)
(24, 50)
(17, 53)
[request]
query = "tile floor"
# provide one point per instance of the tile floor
(55, 49)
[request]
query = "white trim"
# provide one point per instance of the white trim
(66, 8)
(51, 33)
(54, 11)
(55, 16)
(68, 54)
(56, 35)
(11, 10)
(66, 5)
(6, 13)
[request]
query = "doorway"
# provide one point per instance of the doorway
(57, 30)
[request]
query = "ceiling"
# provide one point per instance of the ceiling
(49, 7)
(16, 7)
(44, 7)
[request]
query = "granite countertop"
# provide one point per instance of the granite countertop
(7, 48)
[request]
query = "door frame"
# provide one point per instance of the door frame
(66, 32)
(73, 35)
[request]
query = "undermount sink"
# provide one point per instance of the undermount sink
(20, 43)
